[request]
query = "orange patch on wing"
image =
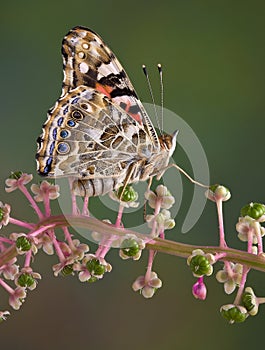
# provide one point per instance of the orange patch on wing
(104, 89)
(135, 116)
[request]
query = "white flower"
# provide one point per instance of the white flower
(231, 277)
(4, 214)
(163, 219)
(147, 287)
(247, 226)
(17, 179)
(45, 189)
(17, 297)
(3, 315)
(162, 195)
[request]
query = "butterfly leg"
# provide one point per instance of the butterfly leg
(128, 178)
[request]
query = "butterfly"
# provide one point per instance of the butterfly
(98, 131)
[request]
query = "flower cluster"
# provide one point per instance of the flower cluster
(51, 233)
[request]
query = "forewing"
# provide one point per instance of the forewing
(88, 61)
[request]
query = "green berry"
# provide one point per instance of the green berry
(247, 300)
(1, 214)
(95, 267)
(254, 210)
(213, 187)
(234, 314)
(130, 247)
(25, 280)
(23, 243)
(200, 265)
(127, 194)
(15, 175)
(67, 270)
(92, 279)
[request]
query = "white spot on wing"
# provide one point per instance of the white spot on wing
(83, 67)
(106, 69)
(81, 54)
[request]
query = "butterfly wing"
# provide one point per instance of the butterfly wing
(88, 61)
(88, 136)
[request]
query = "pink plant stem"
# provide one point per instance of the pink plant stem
(47, 206)
(21, 223)
(245, 271)
(242, 285)
(229, 268)
(68, 237)
(28, 259)
(41, 229)
(6, 240)
(149, 265)
(58, 249)
(162, 233)
(261, 300)
(85, 210)
(219, 256)
(119, 216)
(6, 286)
(200, 279)
(105, 246)
(157, 210)
(152, 253)
(219, 205)
(34, 205)
(257, 229)
(250, 240)
(75, 210)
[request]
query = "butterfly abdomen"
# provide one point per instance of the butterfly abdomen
(93, 187)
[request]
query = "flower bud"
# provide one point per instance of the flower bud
(217, 192)
(199, 290)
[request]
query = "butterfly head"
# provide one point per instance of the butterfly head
(169, 142)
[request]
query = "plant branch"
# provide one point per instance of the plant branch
(253, 261)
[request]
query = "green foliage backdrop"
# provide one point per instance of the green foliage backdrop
(213, 57)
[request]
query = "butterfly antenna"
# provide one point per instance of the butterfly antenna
(152, 96)
(161, 94)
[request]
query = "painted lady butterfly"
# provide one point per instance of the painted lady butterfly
(98, 130)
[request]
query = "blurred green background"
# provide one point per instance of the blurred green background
(213, 57)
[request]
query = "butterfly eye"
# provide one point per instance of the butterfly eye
(63, 148)
(77, 115)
